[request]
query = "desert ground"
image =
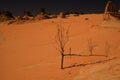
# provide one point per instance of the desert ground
(28, 51)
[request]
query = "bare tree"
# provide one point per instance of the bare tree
(107, 48)
(91, 47)
(62, 38)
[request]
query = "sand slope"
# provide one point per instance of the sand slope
(28, 51)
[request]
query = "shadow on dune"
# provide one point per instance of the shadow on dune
(97, 62)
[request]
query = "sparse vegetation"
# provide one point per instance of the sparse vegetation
(66, 48)
(62, 37)
(5, 16)
(91, 46)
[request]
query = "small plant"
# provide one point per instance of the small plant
(107, 49)
(91, 47)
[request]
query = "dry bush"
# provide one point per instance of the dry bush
(91, 46)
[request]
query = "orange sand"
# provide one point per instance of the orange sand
(28, 51)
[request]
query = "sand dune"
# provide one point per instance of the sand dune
(28, 51)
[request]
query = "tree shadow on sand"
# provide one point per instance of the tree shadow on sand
(91, 63)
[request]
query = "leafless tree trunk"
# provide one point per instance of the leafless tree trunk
(62, 38)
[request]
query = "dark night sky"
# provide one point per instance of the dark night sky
(55, 6)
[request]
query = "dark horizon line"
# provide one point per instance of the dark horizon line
(54, 13)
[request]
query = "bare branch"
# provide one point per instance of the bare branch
(61, 39)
